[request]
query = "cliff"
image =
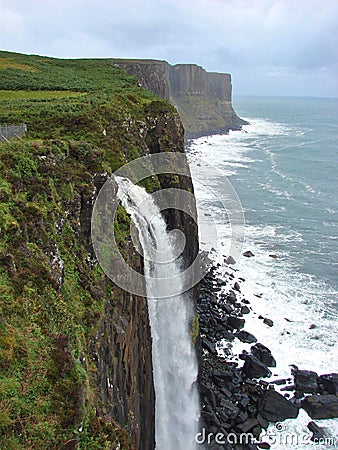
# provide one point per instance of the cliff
(75, 350)
(203, 99)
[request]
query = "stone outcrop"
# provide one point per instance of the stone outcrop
(202, 98)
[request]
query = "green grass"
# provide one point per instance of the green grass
(37, 95)
(83, 119)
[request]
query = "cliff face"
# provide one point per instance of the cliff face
(122, 345)
(202, 98)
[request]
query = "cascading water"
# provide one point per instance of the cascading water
(175, 368)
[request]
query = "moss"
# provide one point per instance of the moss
(195, 328)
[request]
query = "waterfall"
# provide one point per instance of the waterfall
(175, 368)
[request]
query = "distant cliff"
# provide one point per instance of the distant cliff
(202, 98)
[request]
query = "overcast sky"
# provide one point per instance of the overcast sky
(271, 47)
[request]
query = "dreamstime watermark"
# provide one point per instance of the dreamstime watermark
(161, 164)
(279, 435)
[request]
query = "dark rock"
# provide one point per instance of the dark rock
(230, 260)
(289, 387)
(280, 381)
(262, 422)
(231, 297)
(312, 327)
(246, 337)
(273, 256)
(254, 368)
(248, 425)
(245, 310)
(328, 383)
(275, 408)
(263, 354)
(264, 445)
(268, 322)
(230, 409)
(306, 381)
(228, 309)
(321, 406)
(317, 432)
(208, 345)
(235, 323)
(237, 287)
(248, 254)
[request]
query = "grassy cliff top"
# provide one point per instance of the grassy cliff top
(56, 97)
(85, 119)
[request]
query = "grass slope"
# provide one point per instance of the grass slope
(82, 120)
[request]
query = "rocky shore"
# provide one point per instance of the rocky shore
(237, 400)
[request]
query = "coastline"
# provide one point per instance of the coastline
(250, 400)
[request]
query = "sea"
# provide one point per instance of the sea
(282, 168)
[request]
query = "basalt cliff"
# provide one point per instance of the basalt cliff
(203, 99)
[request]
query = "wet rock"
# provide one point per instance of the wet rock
(230, 260)
(264, 445)
(245, 310)
(231, 297)
(237, 287)
(254, 368)
(275, 408)
(321, 406)
(317, 432)
(281, 381)
(208, 345)
(263, 354)
(248, 254)
(306, 381)
(268, 322)
(248, 425)
(328, 383)
(235, 323)
(246, 337)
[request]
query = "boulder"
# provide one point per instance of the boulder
(246, 337)
(275, 408)
(263, 354)
(317, 432)
(328, 383)
(208, 345)
(321, 406)
(254, 368)
(268, 322)
(230, 260)
(306, 381)
(248, 254)
(235, 323)
(245, 310)
(237, 287)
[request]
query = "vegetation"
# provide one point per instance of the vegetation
(83, 119)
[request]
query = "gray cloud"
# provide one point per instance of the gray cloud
(268, 45)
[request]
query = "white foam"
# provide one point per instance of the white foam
(284, 292)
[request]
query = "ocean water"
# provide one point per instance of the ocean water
(283, 166)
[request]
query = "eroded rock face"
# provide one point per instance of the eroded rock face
(202, 98)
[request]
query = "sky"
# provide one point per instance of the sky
(270, 47)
